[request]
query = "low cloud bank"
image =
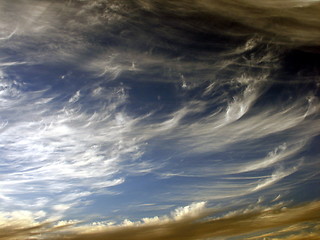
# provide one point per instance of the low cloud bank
(189, 223)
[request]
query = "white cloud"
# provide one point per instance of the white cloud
(49, 150)
(61, 207)
(280, 153)
(215, 132)
(193, 210)
(8, 36)
(75, 97)
(275, 177)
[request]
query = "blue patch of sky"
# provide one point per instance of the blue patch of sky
(138, 197)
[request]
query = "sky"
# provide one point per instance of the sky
(164, 119)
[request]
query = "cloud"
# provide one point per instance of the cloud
(211, 134)
(65, 143)
(280, 153)
(53, 147)
(188, 212)
(192, 210)
(49, 31)
(8, 36)
(276, 176)
(79, 141)
(254, 223)
(290, 22)
(296, 232)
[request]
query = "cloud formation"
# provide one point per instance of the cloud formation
(224, 115)
(59, 148)
(192, 222)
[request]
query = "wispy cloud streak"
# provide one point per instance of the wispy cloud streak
(50, 149)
